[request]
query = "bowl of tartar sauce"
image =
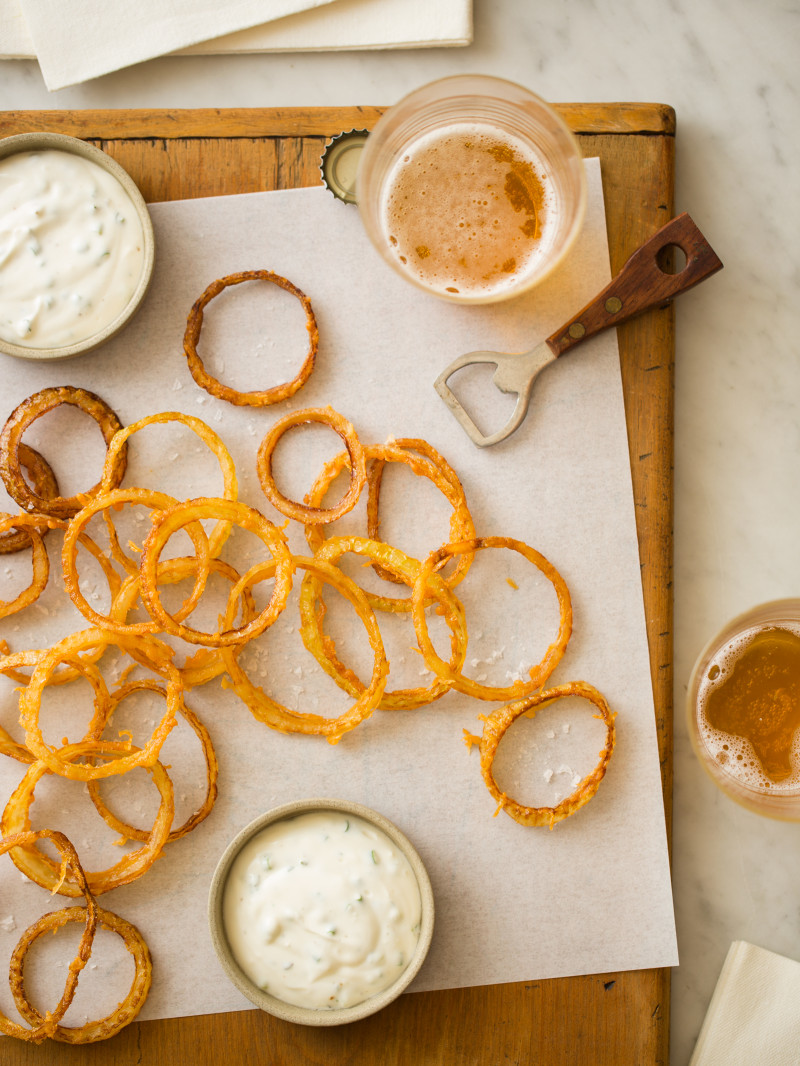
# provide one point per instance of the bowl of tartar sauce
(321, 912)
(76, 246)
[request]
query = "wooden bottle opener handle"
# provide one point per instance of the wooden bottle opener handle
(642, 284)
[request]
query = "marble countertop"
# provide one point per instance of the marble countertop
(729, 70)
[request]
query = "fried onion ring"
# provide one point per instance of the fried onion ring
(215, 444)
(115, 499)
(274, 714)
(212, 769)
(41, 869)
(18, 422)
(496, 724)
(149, 649)
(44, 484)
(165, 523)
(46, 1026)
(538, 673)
(39, 561)
(312, 612)
(426, 465)
(123, 1013)
(302, 512)
(264, 397)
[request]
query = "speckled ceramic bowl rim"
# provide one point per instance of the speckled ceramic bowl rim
(37, 142)
(305, 1015)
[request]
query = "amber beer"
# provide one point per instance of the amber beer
(468, 210)
(472, 188)
(744, 709)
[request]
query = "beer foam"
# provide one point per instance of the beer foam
(735, 755)
(469, 210)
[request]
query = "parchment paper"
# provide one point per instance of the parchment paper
(513, 903)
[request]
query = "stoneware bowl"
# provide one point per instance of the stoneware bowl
(307, 1015)
(38, 142)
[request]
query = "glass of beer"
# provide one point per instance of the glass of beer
(472, 188)
(744, 709)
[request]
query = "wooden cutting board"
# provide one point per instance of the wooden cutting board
(615, 1019)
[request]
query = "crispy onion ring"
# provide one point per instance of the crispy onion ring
(206, 663)
(123, 1013)
(212, 769)
(538, 673)
(46, 1026)
(44, 484)
(149, 649)
(41, 869)
(427, 465)
(18, 422)
(458, 530)
(264, 397)
(115, 499)
(302, 512)
(496, 724)
(230, 483)
(39, 561)
(275, 714)
(312, 612)
(167, 522)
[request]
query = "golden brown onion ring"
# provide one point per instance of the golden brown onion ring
(39, 561)
(206, 663)
(461, 525)
(302, 512)
(46, 1026)
(274, 714)
(115, 499)
(212, 440)
(41, 869)
(167, 522)
(459, 530)
(148, 649)
(312, 612)
(18, 422)
(496, 724)
(124, 1012)
(538, 673)
(44, 484)
(212, 769)
(264, 397)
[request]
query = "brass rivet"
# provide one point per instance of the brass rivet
(576, 330)
(613, 304)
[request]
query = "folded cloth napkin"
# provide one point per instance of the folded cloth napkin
(754, 1014)
(83, 39)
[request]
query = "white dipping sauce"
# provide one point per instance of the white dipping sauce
(71, 249)
(322, 910)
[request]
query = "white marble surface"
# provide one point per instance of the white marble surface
(729, 67)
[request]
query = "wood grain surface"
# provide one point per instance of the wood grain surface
(615, 1019)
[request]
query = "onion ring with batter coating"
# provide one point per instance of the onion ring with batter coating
(44, 484)
(274, 714)
(124, 1012)
(302, 512)
(496, 724)
(18, 422)
(165, 523)
(194, 324)
(312, 611)
(45, 1026)
(41, 869)
(538, 673)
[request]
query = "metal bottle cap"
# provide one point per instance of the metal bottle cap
(339, 163)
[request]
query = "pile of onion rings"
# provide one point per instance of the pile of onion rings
(136, 579)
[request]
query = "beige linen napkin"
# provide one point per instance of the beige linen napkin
(83, 39)
(754, 1014)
